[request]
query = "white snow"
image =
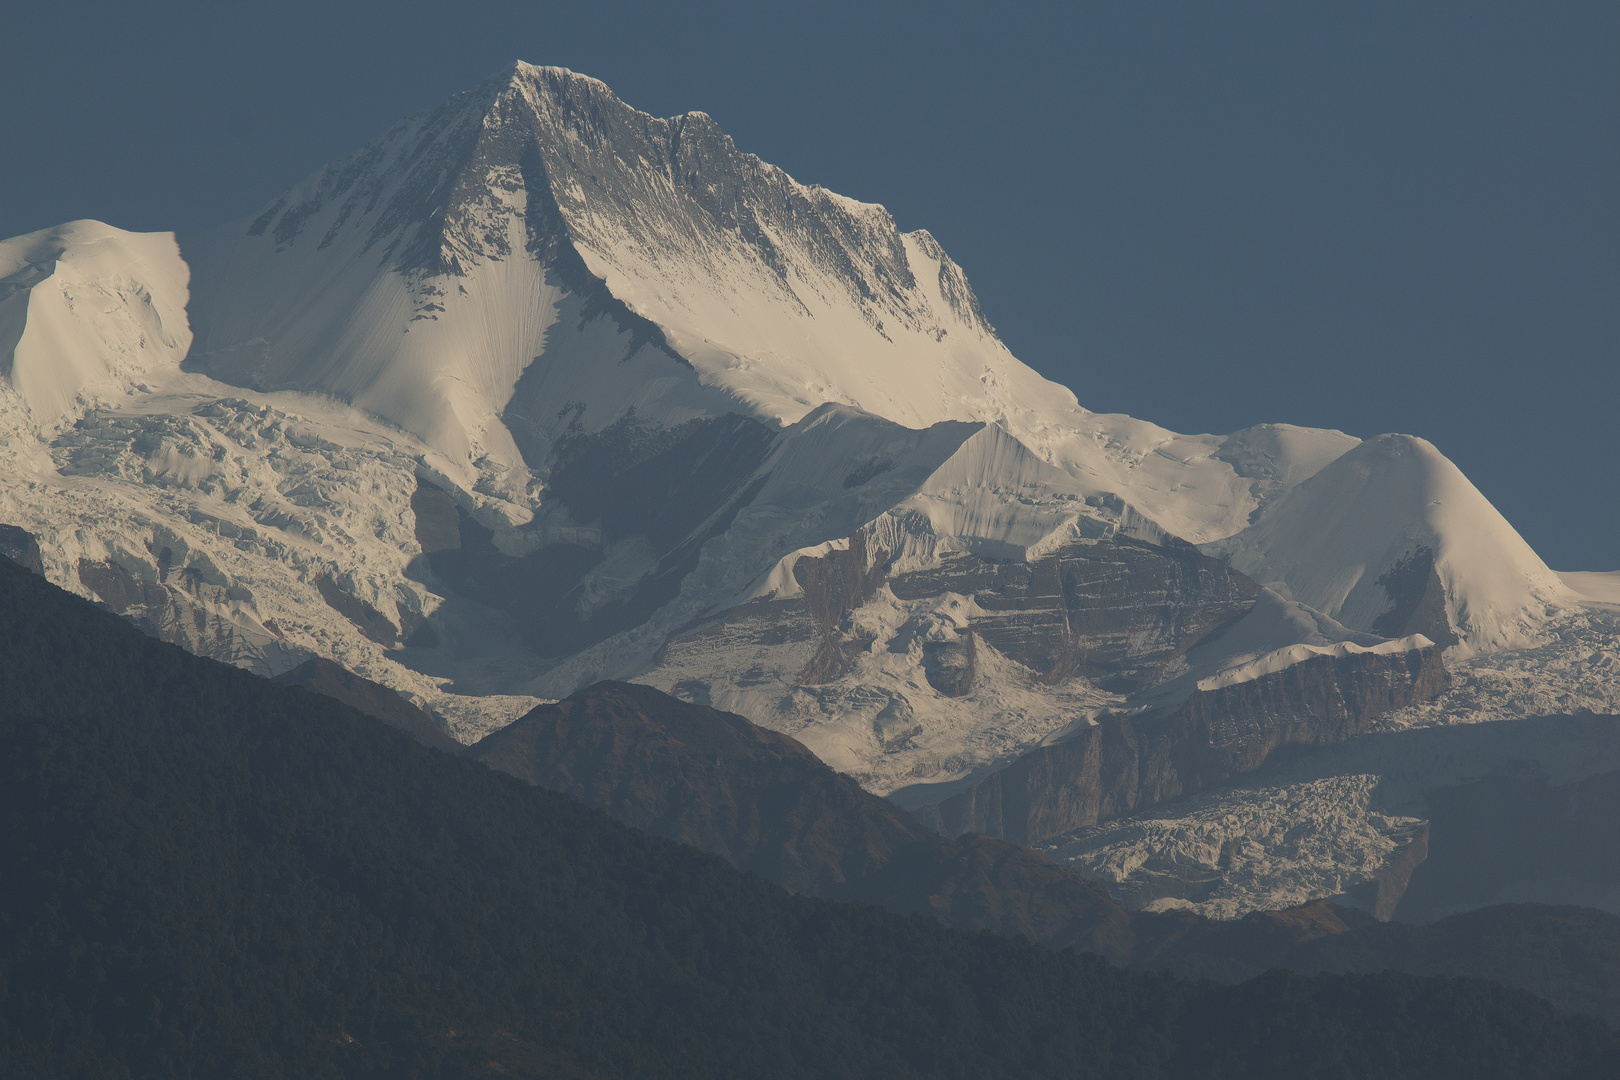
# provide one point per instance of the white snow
(1574, 667)
(1286, 657)
(339, 379)
(110, 453)
(1261, 847)
(1326, 542)
(881, 723)
(88, 309)
(1595, 586)
(438, 356)
(774, 328)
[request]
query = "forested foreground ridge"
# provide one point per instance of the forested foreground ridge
(206, 874)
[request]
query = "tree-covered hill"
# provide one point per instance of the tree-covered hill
(205, 874)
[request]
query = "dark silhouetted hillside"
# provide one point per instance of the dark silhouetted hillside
(208, 875)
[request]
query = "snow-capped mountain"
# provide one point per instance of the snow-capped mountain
(537, 389)
(86, 307)
(465, 275)
(1392, 538)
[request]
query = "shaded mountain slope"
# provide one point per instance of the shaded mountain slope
(208, 874)
(713, 780)
(321, 676)
(1569, 955)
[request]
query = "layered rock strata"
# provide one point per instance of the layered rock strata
(1115, 611)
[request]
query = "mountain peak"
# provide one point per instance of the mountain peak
(1393, 532)
(780, 295)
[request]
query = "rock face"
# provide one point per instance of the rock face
(20, 546)
(716, 781)
(1114, 611)
(367, 619)
(1411, 822)
(1389, 886)
(1123, 763)
(949, 666)
(321, 676)
(1417, 600)
(834, 585)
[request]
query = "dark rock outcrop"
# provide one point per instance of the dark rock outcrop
(1382, 895)
(370, 622)
(834, 585)
(321, 676)
(766, 803)
(21, 547)
(1115, 611)
(949, 666)
(1124, 763)
(1417, 600)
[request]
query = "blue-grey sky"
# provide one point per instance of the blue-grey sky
(1375, 217)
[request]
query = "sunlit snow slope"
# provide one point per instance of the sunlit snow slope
(536, 389)
(537, 226)
(1392, 538)
(87, 308)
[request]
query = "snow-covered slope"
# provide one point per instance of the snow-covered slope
(1594, 586)
(88, 309)
(537, 389)
(1392, 538)
(466, 275)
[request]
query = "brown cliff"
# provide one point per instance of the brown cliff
(834, 585)
(1124, 763)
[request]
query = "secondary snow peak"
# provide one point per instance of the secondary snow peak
(86, 309)
(1392, 534)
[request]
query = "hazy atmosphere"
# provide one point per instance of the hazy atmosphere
(1387, 219)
